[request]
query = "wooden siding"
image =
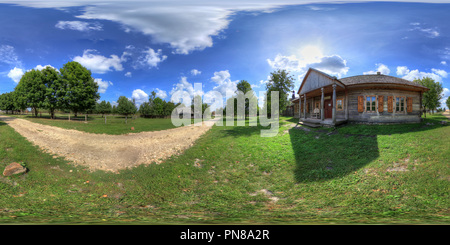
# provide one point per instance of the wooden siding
(315, 81)
(385, 114)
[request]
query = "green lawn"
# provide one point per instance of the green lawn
(115, 124)
(387, 174)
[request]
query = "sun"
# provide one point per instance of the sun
(311, 53)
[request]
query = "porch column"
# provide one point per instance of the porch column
(334, 104)
(299, 107)
(304, 106)
(322, 117)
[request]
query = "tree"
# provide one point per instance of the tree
(125, 107)
(283, 83)
(104, 108)
(7, 102)
(81, 91)
(448, 102)
(157, 108)
(31, 90)
(54, 90)
(249, 97)
(431, 98)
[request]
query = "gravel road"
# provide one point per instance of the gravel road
(108, 152)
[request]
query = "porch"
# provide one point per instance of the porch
(315, 123)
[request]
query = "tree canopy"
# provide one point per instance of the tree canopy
(431, 98)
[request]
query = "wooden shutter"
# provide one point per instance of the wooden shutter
(380, 103)
(360, 103)
(390, 104)
(409, 104)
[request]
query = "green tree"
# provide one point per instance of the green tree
(448, 102)
(54, 90)
(248, 95)
(81, 92)
(431, 98)
(125, 107)
(104, 108)
(145, 109)
(283, 83)
(31, 90)
(7, 102)
(157, 108)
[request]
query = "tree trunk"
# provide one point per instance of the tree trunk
(105, 119)
(52, 113)
(35, 112)
(85, 117)
(126, 117)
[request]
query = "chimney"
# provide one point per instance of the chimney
(293, 94)
(378, 73)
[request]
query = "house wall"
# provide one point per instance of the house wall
(384, 116)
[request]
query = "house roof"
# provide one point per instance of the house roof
(378, 79)
(366, 79)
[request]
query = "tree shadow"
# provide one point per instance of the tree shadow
(324, 154)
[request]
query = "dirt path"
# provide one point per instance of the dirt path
(108, 152)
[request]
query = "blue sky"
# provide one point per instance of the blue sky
(135, 47)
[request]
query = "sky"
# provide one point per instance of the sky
(135, 47)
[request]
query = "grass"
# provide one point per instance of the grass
(96, 123)
(358, 174)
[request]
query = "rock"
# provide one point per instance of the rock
(444, 122)
(14, 168)
(132, 128)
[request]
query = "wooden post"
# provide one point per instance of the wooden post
(322, 116)
(334, 104)
(304, 107)
(299, 107)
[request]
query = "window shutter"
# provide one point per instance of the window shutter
(380, 103)
(360, 103)
(409, 104)
(390, 104)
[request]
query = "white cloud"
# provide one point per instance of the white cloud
(16, 74)
(443, 62)
(40, 67)
(184, 91)
(333, 65)
(102, 85)
(435, 74)
(139, 96)
(429, 32)
(402, 70)
(161, 93)
(195, 72)
(224, 84)
(150, 58)
(79, 26)
(98, 63)
(128, 74)
(8, 55)
(383, 69)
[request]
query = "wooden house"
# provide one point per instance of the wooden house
(326, 100)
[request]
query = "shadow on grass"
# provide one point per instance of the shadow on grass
(324, 154)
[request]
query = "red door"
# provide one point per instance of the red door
(328, 108)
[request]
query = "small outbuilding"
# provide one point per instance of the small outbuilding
(327, 100)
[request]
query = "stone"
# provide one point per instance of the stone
(14, 168)
(132, 128)
(444, 122)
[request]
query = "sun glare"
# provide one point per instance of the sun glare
(311, 53)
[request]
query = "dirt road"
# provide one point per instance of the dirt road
(108, 152)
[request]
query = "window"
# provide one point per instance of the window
(399, 104)
(340, 104)
(371, 103)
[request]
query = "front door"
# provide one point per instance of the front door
(328, 108)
